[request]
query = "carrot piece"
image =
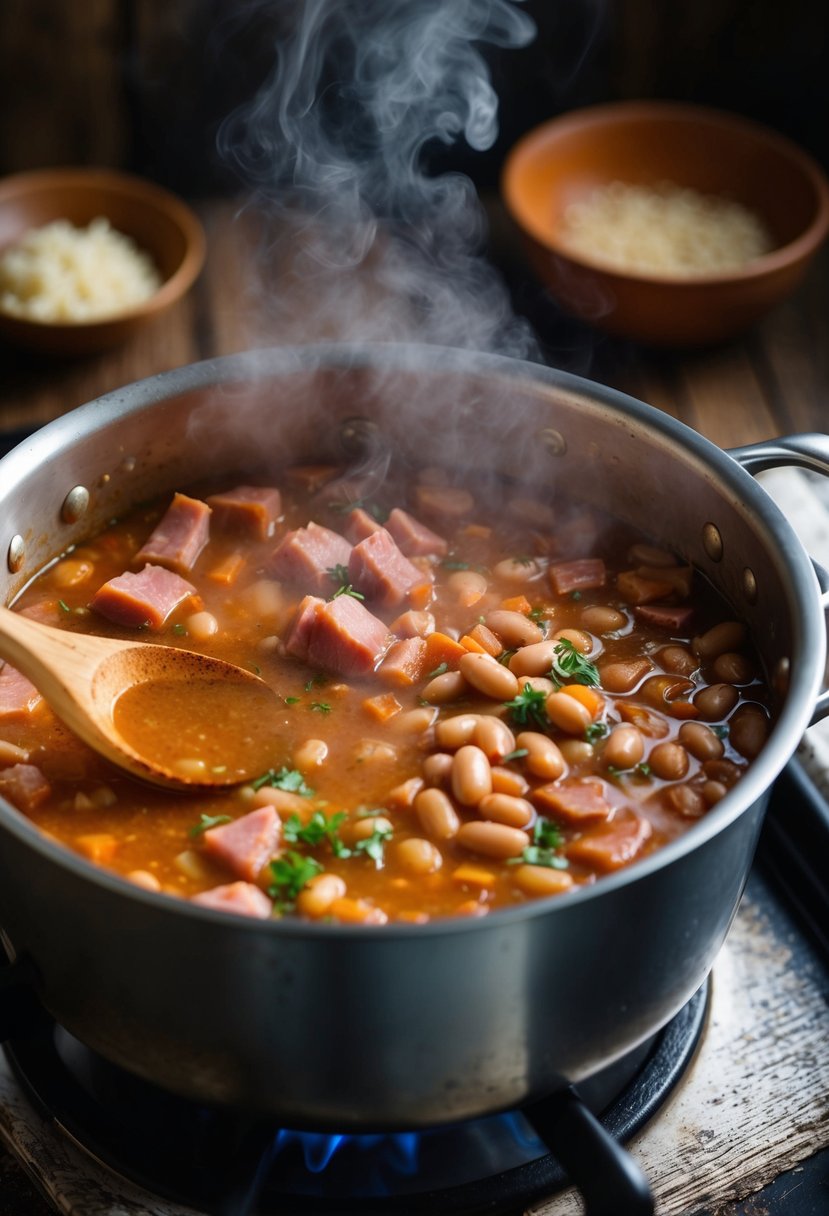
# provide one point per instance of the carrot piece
(420, 595)
(470, 643)
(588, 697)
(476, 876)
(228, 569)
(405, 662)
(517, 603)
(382, 707)
(97, 846)
(651, 724)
(356, 912)
(485, 639)
(480, 531)
(440, 648)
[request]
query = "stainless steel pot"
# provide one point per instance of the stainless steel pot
(402, 1026)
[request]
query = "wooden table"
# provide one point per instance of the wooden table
(774, 381)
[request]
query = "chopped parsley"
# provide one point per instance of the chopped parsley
(347, 589)
(316, 681)
(319, 828)
(505, 656)
(575, 595)
(518, 754)
(373, 846)
(570, 665)
(527, 709)
(206, 822)
(339, 576)
(291, 700)
(64, 607)
(536, 614)
(291, 873)
(284, 779)
(596, 730)
(180, 630)
(452, 564)
(639, 770)
(547, 839)
(523, 560)
(345, 508)
(438, 671)
(320, 707)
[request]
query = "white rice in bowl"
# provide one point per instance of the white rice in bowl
(663, 230)
(60, 273)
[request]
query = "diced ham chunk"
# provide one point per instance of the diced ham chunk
(18, 696)
(609, 846)
(243, 898)
(146, 598)
(405, 662)
(180, 535)
(413, 624)
(246, 844)
(578, 801)
(306, 556)
(675, 619)
(24, 786)
(381, 572)
(298, 637)
(583, 574)
(346, 638)
(635, 589)
(414, 538)
(253, 510)
(360, 525)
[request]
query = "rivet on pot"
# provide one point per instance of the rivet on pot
(749, 585)
(712, 542)
(358, 435)
(17, 551)
(74, 505)
(553, 440)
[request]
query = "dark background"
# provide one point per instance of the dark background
(143, 84)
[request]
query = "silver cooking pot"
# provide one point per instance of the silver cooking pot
(401, 1026)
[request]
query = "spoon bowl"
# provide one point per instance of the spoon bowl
(151, 710)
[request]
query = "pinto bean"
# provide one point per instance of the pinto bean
(625, 746)
(437, 768)
(728, 635)
(686, 800)
(600, 619)
(716, 701)
(494, 738)
(413, 721)
(446, 687)
(538, 684)
(538, 881)
(677, 660)
(733, 668)
(749, 730)
(418, 856)
(512, 570)
(535, 660)
(700, 741)
(669, 761)
(504, 808)
(319, 893)
(403, 795)
(513, 628)
(493, 839)
(310, 754)
(454, 732)
(713, 792)
(437, 815)
(471, 775)
(577, 638)
(489, 676)
(544, 758)
(722, 770)
(467, 585)
(508, 781)
(576, 751)
(361, 829)
(567, 713)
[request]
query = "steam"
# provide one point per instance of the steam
(361, 240)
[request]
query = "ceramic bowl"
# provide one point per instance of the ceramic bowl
(648, 143)
(160, 224)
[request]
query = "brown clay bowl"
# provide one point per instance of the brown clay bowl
(646, 143)
(159, 223)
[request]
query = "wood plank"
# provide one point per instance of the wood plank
(727, 402)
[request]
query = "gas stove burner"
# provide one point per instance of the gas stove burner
(229, 1164)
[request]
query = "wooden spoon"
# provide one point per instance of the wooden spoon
(168, 716)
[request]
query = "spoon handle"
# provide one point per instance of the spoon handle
(51, 657)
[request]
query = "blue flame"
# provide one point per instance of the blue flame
(400, 1151)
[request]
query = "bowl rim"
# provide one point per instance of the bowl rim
(127, 185)
(616, 113)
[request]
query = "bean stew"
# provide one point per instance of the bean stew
(489, 696)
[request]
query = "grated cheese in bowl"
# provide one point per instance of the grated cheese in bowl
(663, 230)
(60, 273)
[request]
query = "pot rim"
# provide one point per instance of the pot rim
(809, 639)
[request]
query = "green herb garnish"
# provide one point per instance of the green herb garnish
(206, 822)
(347, 589)
(319, 828)
(291, 700)
(518, 754)
(527, 709)
(452, 564)
(64, 607)
(316, 681)
(575, 595)
(320, 707)
(720, 730)
(438, 671)
(523, 560)
(596, 730)
(373, 846)
(284, 779)
(291, 873)
(505, 656)
(570, 665)
(547, 838)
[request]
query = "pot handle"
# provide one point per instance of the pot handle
(609, 1179)
(806, 451)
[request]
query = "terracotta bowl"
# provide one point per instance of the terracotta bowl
(159, 223)
(647, 143)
